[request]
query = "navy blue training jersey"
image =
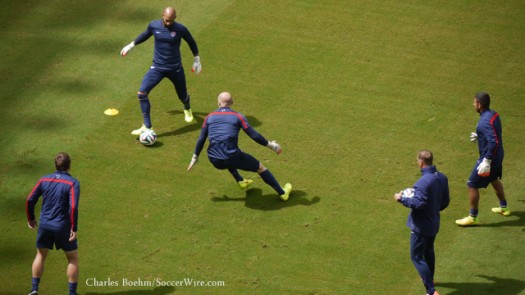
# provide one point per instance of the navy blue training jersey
(431, 195)
(490, 143)
(60, 195)
(222, 128)
(166, 52)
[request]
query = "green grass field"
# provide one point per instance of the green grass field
(350, 89)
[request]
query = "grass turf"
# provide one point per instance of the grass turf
(351, 91)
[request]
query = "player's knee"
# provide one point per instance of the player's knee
(142, 95)
(261, 168)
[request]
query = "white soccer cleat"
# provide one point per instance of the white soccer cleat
(188, 116)
(140, 130)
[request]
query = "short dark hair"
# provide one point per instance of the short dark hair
(62, 161)
(484, 99)
(426, 156)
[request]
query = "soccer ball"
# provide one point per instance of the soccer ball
(148, 137)
(408, 193)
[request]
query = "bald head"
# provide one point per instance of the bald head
(168, 16)
(225, 99)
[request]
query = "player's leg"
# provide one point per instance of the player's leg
(37, 268)
(150, 80)
(178, 78)
(500, 192)
(72, 271)
(250, 163)
(430, 255)
(474, 183)
(71, 250)
(497, 172)
(418, 245)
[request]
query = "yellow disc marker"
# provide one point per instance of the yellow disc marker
(111, 112)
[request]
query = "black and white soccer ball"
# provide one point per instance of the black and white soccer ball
(148, 137)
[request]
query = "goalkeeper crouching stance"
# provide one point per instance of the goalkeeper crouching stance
(222, 128)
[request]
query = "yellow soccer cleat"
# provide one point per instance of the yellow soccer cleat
(502, 211)
(140, 130)
(467, 221)
(244, 184)
(287, 190)
(188, 116)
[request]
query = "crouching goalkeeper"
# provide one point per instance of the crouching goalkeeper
(222, 128)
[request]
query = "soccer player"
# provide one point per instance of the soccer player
(222, 128)
(166, 62)
(489, 166)
(58, 220)
(431, 195)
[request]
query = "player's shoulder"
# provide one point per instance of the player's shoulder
(178, 27)
(155, 24)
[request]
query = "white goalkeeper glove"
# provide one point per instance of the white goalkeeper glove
(473, 136)
(127, 48)
(197, 67)
(193, 161)
(274, 146)
(484, 168)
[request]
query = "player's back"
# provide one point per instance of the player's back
(58, 193)
(224, 124)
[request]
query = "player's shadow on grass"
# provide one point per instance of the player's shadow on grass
(199, 119)
(157, 291)
(508, 220)
(495, 286)
(256, 200)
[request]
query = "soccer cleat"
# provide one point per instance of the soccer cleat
(140, 130)
(467, 221)
(287, 190)
(244, 184)
(502, 211)
(188, 116)
(33, 293)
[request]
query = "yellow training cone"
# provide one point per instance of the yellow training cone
(111, 112)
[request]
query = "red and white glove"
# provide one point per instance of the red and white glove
(274, 146)
(127, 48)
(484, 168)
(197, 67)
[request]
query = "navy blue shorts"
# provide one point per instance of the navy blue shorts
(47, 238)
(476, 181)
(241, 161)
(176, 76)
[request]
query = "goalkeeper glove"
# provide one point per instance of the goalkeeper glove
(274, 146)
(473, 136)
(193, 161)
(197, 67)
(127, 48)
(484, 168)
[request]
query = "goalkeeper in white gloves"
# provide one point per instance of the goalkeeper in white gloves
(222, 128)
(489, 166)
(167, 63)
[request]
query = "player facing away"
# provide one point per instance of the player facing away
(167, 62)
(489, 166)
(60, 194)
(222, 127)
(431, 196)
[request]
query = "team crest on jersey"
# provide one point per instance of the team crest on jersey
(173, 34)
